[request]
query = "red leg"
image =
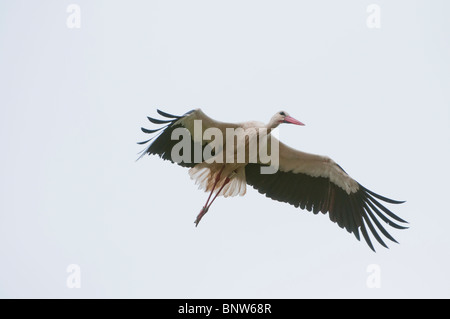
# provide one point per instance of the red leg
(206, 206)
(227, 180)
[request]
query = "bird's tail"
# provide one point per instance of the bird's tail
(205, 176)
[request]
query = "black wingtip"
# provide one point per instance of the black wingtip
(170, 116)
(144, 142)
(156, 121)
(147, 131)
(378, 224)
(366, 237)
(384, 199)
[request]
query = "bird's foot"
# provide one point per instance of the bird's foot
(202, 213)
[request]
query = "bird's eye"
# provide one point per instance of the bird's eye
(282, 114)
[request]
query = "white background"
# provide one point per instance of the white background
(72, 103)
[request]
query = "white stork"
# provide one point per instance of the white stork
(312, 182)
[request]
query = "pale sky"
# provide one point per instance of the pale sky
(376, 100)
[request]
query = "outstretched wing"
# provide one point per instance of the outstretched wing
(316, 183)
(162, 143)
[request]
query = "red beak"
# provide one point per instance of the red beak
(289, 119)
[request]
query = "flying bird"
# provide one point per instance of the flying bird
(312, 182)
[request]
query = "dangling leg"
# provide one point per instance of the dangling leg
(227, 180)
(205, 207)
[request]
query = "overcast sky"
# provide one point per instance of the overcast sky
(72, 102)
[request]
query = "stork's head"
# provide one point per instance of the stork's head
(284, 117)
